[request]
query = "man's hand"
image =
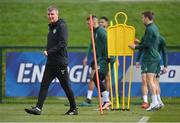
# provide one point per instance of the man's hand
(132, 46)
(45, 53)
(85, 61)
(136, 41)
(137, 65)
(164, 70)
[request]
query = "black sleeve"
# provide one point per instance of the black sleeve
(62, 39)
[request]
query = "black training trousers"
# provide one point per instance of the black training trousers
(52, 71)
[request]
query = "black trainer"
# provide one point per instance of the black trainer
(72, 112)
(33, 110)
(88, 100)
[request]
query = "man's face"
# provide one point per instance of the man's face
(52, 16)
(103, 23)
(94, 22)
(144, 20)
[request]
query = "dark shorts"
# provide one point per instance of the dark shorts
(93, 65)
(150, 67)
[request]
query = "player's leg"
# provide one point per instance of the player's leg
(48, 76)
(88, 100)
(107, 84)
(144, 88)
(63, 77)
(103, 90)
(107, 81)
(90, 88)
(150, 80)
(151, 73)
(158, 90)
(161, 104)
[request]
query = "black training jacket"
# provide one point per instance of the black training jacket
(57, 43)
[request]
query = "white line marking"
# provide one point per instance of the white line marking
(144, 119)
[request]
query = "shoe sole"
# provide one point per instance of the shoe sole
(30, 112)
(107, 106)
(144, 107)
(155, 108)
(71, 114)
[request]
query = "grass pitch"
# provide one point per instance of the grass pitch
(54, 110)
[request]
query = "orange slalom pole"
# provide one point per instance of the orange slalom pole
(95, 61)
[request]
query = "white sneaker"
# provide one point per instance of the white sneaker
(161, 105)
(153, 107)
(106, 105)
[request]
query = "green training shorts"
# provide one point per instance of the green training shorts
(150, 67)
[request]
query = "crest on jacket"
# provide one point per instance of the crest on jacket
(54, 31)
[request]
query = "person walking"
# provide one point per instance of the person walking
(57, 61)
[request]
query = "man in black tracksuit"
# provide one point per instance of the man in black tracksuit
(57, 60)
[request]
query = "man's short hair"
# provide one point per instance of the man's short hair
(104, 18)
(149, 15)
(51, 8)
(93, 17)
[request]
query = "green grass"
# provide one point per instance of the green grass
(54, 109)
(24, 22)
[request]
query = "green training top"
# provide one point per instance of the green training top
(100, 37)
(140, 52)
(161, 49)
(149, 45)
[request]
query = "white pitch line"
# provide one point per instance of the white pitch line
(144, 119)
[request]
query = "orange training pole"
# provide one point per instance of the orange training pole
(95, 61)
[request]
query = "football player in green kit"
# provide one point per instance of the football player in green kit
(162, 50)
(151, 57)
(100, 37)
(103, 22)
